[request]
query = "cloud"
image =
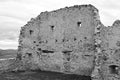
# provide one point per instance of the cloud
(111, 4)
(9, 36)
(14, 10)
(8, 40)
(8, 44)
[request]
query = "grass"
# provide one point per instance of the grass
(41, 75)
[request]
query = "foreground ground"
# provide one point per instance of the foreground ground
(40, 75)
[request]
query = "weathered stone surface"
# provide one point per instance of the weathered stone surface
(61, 40)
(107, 59)
(110, 49)
(96, 74)
(70, 40)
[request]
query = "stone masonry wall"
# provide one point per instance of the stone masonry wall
(110, 47)
(71, 40)
(61, 40)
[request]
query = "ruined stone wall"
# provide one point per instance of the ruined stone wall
(61, 40)
(107, 58)
(110, 47)
(71, 40)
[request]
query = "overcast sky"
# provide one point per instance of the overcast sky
(16, 13)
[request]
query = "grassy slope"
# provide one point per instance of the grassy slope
(9, 53)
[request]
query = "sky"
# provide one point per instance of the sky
(15, 13)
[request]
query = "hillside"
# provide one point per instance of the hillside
(8, 53)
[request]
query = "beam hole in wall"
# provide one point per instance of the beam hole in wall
(47, 51)
(39, 49)
(34, 41)
(31, 31)
(85, 38)
(40, 42)
(52, 27)
(63, 40)
(56, 40)
(29, 54)
(98, 28)
(66, 52)
(79, 24)
(37, 45)
(75, 39)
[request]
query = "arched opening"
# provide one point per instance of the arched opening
(113, 69)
